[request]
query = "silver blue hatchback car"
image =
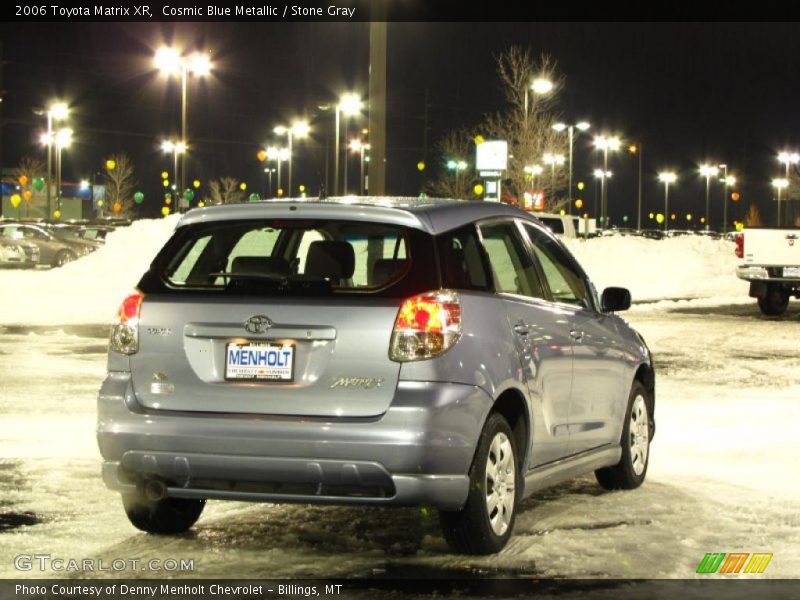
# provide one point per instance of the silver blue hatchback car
(372, 351)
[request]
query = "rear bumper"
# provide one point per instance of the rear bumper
(418, 452)
(756, 273)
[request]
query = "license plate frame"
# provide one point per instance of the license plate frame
(265, 373)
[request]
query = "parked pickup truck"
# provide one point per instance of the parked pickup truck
(771, 265)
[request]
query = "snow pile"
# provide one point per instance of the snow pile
(670, 269)
(89, 290)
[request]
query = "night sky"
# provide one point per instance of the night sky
(718, 92)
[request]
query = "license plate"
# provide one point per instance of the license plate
(791, 272)
(259, 361)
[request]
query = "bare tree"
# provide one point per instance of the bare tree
(753, 217)
(528, 125)
(31, 168)
(120, 184)
(456, 147)
(225, 191)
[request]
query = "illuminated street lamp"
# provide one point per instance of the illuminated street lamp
(62, 139)
(269, 171)
(605, 144)
(57, 111)
(534, 171)
(728, 181)
(540, 86)
(299, 130)
(708, 171)
(667, 177)
(552, 160)
(581, 126)
(788, 158)
(349, 105)
(175, 148)
(779, 184)
(170, 62)
(357, 145)
(457, 166)
(279, 155)
(600, 175)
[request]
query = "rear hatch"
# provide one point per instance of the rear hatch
(772, 247)
(276, 317)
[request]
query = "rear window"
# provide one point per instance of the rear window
(295, 257)
(553, 224)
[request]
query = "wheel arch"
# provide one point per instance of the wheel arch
(512, 405)
(646, 376)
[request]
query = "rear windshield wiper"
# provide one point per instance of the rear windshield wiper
(231, 275)
(302, 284)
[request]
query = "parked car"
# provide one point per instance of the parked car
(771, 263)
(385, 352)
(75, 233)
(53, 250)
(96, 233)
(18, 253)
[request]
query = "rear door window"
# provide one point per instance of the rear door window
(562, 274)
(513, 269)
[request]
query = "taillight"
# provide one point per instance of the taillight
(427, 325)
(125, 328)
(739, 245)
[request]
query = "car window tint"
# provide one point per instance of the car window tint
(512, 265)
(553, 224)
(460, 260)
(183, 269)
(258, 242)
(309, 236)
(290, 256)
(562, 275)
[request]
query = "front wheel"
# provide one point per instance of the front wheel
(165, 516)
(484, 524)
(630, 471)
(774, 302)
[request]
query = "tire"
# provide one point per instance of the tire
(477, 528)
(63, 257)
(774, 302)
(630, 471)
(166, 516)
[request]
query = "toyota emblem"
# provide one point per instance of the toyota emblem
(257, 324)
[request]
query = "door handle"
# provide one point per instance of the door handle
(576, 335)
(522, 328)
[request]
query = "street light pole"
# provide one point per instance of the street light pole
(170, 61)
(708, 172)
(666, 178)
(727, 181)
(582, 126)
(605, 144)
(779, 184)
(540, 86)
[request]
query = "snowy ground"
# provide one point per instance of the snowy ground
(722, 478)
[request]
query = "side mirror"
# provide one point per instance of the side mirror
(615, 299)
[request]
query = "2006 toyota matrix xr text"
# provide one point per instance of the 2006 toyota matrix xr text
(372, 351)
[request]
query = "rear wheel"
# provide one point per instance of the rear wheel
(165, 516)
(774, 302)
(630, 471)
(63, 257)
(484, 524)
